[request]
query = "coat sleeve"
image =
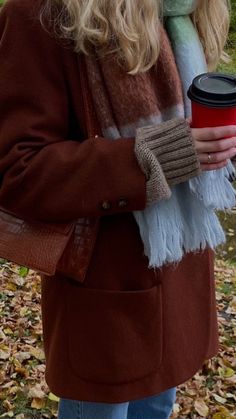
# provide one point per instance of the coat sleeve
(45, 175)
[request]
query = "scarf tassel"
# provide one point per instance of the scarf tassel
(170, 229)
(215, 189)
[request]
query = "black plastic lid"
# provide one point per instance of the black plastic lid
(214, 90)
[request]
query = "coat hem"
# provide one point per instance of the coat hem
(148, 387)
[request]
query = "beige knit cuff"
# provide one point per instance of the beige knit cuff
(156, 185)
(170, 146)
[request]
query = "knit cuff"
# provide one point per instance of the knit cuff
(172, 145)
(156, 185)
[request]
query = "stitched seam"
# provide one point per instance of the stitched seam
(80, 410)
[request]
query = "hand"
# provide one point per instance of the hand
(214, 146)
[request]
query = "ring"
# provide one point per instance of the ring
(209, 158)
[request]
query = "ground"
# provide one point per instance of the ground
(23, 391)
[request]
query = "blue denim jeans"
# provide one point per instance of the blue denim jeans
(155, 407)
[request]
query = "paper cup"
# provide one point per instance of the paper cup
(213, 97)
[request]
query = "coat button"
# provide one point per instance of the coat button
(122, 203)
(106, 205)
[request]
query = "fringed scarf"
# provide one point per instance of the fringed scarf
(187, 221)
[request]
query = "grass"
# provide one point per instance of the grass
(231, 45)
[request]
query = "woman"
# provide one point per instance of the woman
(143, 318)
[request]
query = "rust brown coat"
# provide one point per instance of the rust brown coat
(126, 332)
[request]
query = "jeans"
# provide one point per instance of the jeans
(155, 407)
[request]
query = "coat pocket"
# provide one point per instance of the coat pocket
(114, 336)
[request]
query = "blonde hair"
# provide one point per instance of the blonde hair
(131, 28)
(212, 20)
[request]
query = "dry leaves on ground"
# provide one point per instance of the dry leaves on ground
(212, 392)
(24, 393)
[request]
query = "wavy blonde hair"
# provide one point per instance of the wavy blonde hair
(131, 28)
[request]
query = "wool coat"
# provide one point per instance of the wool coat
(126, 332)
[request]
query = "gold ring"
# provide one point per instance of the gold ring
(209, 158)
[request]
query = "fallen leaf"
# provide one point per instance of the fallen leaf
(13, 390)
(7, 405)
(9, 384)
(22, 356)
(4, 352)
(11, 287)
(38, 403)
(226, 372)
(221, 416)
(52, 397)
(24, 311)
(37, 353)
(223, 413)
(231, 396)
(201, 408)
(23, 271)
(232, 379)
(2, 335)
(36, 392)
(219, 399)
(8, 331)
(9, 414)
(22, 371)
(18, 280)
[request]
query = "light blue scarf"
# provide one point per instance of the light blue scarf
(187, 221)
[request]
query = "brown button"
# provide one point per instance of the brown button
(106, 205)
(122, 203)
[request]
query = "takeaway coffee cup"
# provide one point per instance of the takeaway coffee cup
(213, 97)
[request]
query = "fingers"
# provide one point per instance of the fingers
(219, 143)
(216, 157)
(217, 160)
(212, 140)
(216, 146)
(208, 167)
(215, 133)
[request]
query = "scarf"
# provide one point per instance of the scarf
(186, 222)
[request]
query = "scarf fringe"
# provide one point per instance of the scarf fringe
(168, 235)
(215, 189)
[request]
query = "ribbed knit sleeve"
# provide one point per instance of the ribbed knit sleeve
(166, 149)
